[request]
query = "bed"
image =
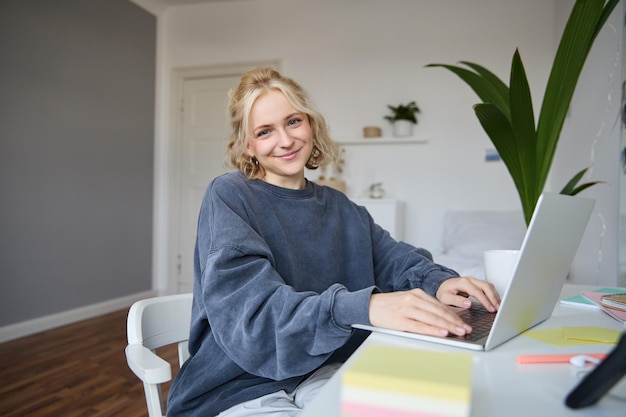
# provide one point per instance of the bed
(467, 234)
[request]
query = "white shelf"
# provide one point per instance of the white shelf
(382, 141)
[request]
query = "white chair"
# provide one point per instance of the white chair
(153, 323)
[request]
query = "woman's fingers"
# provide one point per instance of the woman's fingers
(454, 291)
(415, 311)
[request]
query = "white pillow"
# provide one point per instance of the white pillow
(468, 234)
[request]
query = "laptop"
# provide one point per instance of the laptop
(552, 239)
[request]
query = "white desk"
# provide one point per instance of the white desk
(501, 387)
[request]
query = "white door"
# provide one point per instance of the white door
(204, 133)
(204, 139)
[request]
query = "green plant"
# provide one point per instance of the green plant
(402, 112)
(506, 113)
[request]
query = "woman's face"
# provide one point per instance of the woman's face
(281, 140)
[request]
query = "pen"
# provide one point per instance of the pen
(558, 358)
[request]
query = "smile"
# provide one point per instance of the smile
(289, 156)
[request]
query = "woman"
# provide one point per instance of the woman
(284, 267)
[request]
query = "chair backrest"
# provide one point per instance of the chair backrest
(153, 323)
(161, 321)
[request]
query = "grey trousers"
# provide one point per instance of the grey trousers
(281, 403)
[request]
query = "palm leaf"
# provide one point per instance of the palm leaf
(523, 124)
(584, 186)
(571, 185)
(606, 12)
(500, 93)
(571, 54)
(487, 88)
(499, 130)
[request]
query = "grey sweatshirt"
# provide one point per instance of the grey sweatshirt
(280, 277)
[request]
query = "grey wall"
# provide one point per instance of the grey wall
(76, 153)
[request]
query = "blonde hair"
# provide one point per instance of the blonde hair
(252, 85)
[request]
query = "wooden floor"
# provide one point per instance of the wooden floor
(75, 370)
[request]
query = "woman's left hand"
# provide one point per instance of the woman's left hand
(454, 292)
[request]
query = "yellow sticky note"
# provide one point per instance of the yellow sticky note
(411, 371)
(592, 334)
(574, 336)
(553, 337)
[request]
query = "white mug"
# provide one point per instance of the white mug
(499, 267)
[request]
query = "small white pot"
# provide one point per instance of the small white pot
(402, 128)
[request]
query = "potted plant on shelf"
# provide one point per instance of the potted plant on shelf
(403, 118)
(506, 112)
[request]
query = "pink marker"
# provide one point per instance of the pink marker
(557, 358)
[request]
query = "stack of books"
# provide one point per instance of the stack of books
(609, 300)
(608, 304)
(387, 381)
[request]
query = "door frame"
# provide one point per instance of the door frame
(179, 77)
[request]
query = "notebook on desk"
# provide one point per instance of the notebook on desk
(546, 255)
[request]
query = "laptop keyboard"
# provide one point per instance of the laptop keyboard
(479, 318)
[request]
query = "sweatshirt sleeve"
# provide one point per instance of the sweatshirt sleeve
(400, 266)
(264, 325)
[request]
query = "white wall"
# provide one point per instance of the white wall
(357, 56)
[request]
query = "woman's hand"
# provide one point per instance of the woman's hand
(454, 292)
(416, 312)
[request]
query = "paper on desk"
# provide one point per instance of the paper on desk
(574, 336)
(592, 334)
